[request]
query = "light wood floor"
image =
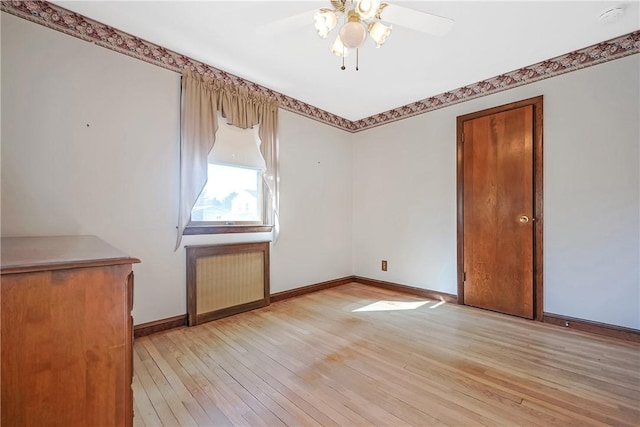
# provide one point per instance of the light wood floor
(316, 360)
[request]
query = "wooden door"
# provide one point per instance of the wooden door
(498, 210)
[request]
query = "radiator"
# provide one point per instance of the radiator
(226, 279)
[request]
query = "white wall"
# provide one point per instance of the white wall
(404, 207)
(592, 193)
(117, 178)
(404, 187)
(315, 203)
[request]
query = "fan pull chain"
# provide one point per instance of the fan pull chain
(343, 55)
(357, 58)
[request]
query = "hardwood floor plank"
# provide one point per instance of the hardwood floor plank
(282, 408)
(336, 359)
(221, 389)
(137, 421)
(201, 405)
(213, 387)
(361, 350)
(292, 384)
(140, 361)
(358, 355)
(319, 394)
(158, 369)
(144, 412)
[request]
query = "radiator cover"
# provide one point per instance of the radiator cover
(226, 279)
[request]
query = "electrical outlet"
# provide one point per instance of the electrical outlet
(384, 265)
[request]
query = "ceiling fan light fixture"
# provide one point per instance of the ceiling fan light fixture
(325, 21)
(367, 9)
(338, 48)
(379, 32)
(358, 18)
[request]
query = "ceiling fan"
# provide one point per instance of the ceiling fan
(359, 18)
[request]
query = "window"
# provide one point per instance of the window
(232, 199)
(232, 196)
(203, 98)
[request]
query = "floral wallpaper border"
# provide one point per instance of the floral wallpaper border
(60, 19)
(622, 46)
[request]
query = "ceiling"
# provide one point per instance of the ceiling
(488, 39)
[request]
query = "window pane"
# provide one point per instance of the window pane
(231, 194)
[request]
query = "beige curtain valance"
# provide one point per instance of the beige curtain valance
(241, 106)
(202, 98)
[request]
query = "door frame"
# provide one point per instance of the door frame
(536, 102)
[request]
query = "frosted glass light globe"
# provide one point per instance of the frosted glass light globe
(325, 21)
(367, 8)
(379, 32)
(353, 34)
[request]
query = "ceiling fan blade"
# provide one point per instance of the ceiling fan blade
(417, 20)
(287, 24)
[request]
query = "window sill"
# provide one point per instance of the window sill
(225, 229)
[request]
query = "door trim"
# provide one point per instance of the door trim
(538, 300)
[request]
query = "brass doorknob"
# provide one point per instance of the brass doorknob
(524, 219)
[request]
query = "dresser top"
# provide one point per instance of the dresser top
(25, 254)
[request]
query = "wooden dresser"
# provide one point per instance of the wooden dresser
(66, 332)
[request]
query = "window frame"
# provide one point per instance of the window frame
(226, 226)
(207, 227)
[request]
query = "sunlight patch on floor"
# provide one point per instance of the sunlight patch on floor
(392, 306)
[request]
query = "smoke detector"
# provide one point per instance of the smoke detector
(611, 15)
